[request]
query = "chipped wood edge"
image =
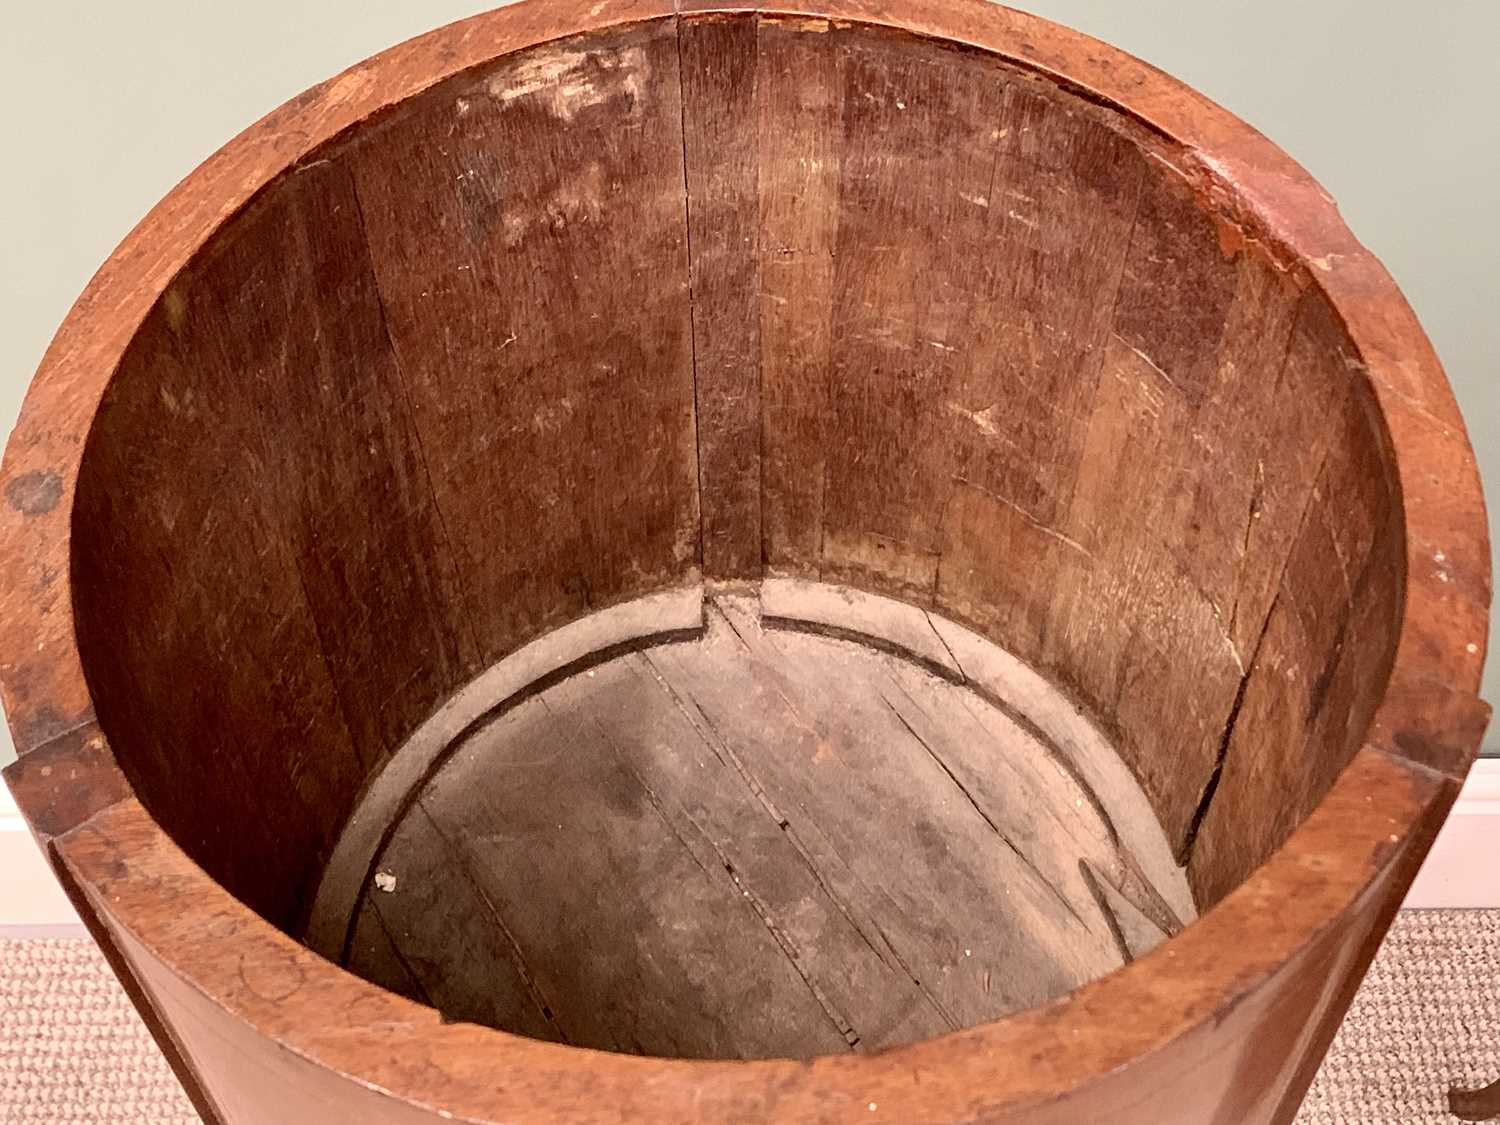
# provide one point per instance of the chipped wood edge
(657, 618)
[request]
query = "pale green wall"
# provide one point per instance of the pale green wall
(1391, 106)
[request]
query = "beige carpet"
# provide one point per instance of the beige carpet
(1428, 1017)
(72, 1050)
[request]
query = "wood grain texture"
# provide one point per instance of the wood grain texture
(1192, 1049)
(757, 844)
(667, 615)
(375, 557)
(799, 86)
(1301, 712)
(918, 152)
(1060, 432)
(528, 231)
(1255, 467)
(211, 363)
(721, 151)
(266, 378)
(1058, 216)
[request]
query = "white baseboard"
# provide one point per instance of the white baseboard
(31, 902)
(1463, 869)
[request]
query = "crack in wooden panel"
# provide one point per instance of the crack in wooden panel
(1328, 636)
(687, 832)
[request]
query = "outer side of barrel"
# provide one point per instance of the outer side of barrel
(262, 1030)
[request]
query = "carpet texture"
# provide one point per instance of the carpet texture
(73, 1051)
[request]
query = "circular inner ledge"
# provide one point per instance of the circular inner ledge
(782, 822)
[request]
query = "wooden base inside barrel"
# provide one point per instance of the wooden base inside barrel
(826, 822)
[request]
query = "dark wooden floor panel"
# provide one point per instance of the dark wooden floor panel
(762, 842)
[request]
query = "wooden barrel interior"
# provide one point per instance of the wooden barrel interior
(780, 836)
(724, 311)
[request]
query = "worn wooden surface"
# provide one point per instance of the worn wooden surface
(1157, 1041)
(665, 615)
(944, 331)
(528, 233)
(762, 842)
(720, 163)
(399, 411)
(420, 365)
(281, 698)
(1011, 368)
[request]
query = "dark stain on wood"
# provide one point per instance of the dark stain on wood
(35, 493)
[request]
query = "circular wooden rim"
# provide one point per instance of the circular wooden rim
(1378, 813)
